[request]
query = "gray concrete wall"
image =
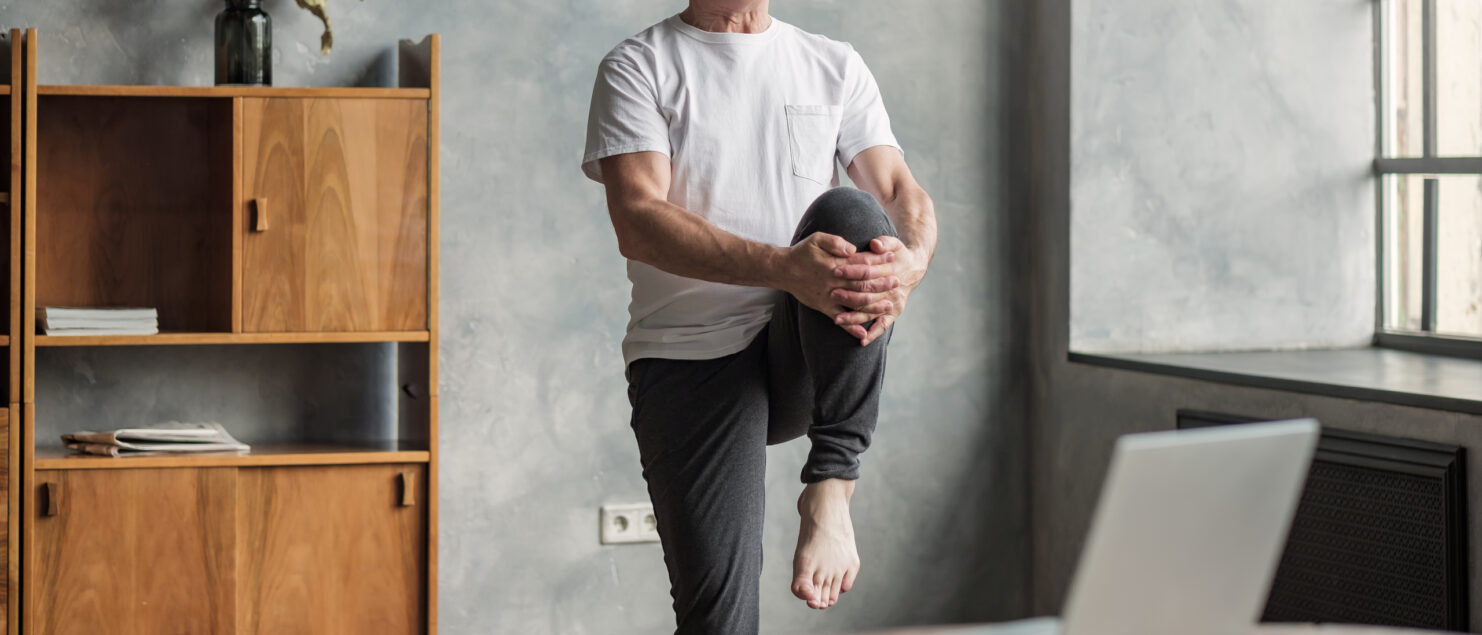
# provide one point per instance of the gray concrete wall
(1078, 410)
(1220, 186)
(534, 416)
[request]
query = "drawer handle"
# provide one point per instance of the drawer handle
(408, 489)
(51, 499)
(259, 214)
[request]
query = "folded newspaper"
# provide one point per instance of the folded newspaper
(172, 437)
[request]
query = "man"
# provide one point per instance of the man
(762, 299)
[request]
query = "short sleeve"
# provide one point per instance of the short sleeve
(865, 123)
(625, 116)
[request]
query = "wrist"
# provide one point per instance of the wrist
(920, 259)
(773, 268)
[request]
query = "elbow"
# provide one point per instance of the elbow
(629, 243)
(628, 249)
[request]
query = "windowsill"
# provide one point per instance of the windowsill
(1382, 375)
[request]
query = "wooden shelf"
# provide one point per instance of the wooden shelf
(233, 91)
(54, 458)
(177, 339)
(4, 89)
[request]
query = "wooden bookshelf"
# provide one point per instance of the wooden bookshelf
(55, 458)
(245, 216)
(334, 92)
(184, 339)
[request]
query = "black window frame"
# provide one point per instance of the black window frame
(1425, 340)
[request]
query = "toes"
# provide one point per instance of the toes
(849, 577)
(802, 587)
(820, 595)
(833, 591)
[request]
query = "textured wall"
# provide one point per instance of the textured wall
(1220, 185)
(534, 416)
(1079, 410)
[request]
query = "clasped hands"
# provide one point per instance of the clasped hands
(862, 291)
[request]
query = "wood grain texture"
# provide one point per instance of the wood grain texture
(54, 458)
(26, 439)
(166, 339)
(347, 185)
(133, 208)
(136, 552)
(420, 65)
(328, 551)
(7, 511)
(15, 209)
(336, 92)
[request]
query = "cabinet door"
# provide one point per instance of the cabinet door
(133, 552)
(335, 214)
(332, 550)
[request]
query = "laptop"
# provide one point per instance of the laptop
(1186, 535)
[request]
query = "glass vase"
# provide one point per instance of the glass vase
(244, 44)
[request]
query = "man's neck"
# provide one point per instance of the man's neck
(728, 16)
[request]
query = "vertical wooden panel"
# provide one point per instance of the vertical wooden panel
(26, 439)
(420, 65)
(329, 551)
(346, 247)
(273, 169)
(14, 212)
(136, 552)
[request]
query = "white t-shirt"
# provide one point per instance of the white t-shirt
(752, 124)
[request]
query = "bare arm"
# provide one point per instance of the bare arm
(882, 172)
(654, 231)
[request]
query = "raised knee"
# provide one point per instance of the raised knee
(844, 198)
(847, 212)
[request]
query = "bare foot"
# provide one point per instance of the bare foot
(826, 561)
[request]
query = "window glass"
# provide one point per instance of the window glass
(1458, 77)
(1403, 106)
(1458, 252)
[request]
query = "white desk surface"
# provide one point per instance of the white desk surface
(1038, 626)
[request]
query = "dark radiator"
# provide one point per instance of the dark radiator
(1379, 536)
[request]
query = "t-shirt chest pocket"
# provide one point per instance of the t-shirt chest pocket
(812, 135)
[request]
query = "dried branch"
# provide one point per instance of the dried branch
(316, 7)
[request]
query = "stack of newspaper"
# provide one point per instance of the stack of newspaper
(156, 439)
(61, 320)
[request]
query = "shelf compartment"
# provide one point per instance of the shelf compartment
(267, 454)
(187, 338)
(339, 92)
(134, 207)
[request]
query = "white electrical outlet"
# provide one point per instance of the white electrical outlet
(628, 523)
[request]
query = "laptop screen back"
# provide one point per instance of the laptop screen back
(1188, 530)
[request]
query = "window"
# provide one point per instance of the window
(1430, 171)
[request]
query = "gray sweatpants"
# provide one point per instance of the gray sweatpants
(703, 427)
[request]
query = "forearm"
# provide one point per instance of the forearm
(675, 240)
